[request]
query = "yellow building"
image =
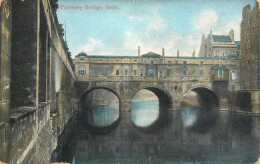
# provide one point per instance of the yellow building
(156, 67)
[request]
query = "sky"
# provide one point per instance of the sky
(151, 24)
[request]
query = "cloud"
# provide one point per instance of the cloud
(95, 46)
(231, 24)
(92, 45)
(207, 19)
(136, 18)
(185, 44)
(156, 22)
(132, 41)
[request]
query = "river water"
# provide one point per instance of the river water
(193, 135)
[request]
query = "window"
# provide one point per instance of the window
(99, 73)
(135, 72)
(220, 73)
(82, 72)
(201, 63)
(176, 62)
(217, 52)
(233, 75)
(233, 87)
(125, 72)
(232, 52)
(169, 63)
(168, 73)
(160, 61)
(201, 73)
(184, 73)
(142, 73)
(108, 73)
(184, 64)
(150, 72)
(160, 73)
(117, 72)
(151, 60)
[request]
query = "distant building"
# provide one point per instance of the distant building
(250, 47)
(219, 45)
(159, 67)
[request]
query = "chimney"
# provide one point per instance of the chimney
(138, 51)
(231, 35)
(178, 53)
(193, 54)
(163, 52)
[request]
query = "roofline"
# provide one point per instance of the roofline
(165, 57)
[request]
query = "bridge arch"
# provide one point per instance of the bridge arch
(165, 104)
(86, 107)
(161, 93)
(208, 97)
(88, 90)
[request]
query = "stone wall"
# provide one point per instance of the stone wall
(250, 47)
(5, 76)
(39, 94)
(29, 132)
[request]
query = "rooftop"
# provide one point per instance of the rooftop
(219, 68)
(151, 55)
(231, 56)
(221, 38)
(155, 56)
(82, 54)
(112, 57)
(238, 43)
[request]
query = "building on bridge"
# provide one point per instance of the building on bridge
(219, 45)
(152, 66)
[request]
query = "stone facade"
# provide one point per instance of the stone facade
(5, 74)
(158, 68)
(219, 45)
(169, 78)
(250, 47)
(36, 82)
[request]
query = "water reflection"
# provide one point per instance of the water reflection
(103, 115)
(144, 113)
(100, 108)
(189, 116)
(144, 108)
(194, 136)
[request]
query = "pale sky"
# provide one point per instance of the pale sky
(150, 24)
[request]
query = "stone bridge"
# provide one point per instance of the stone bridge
(168, 92)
